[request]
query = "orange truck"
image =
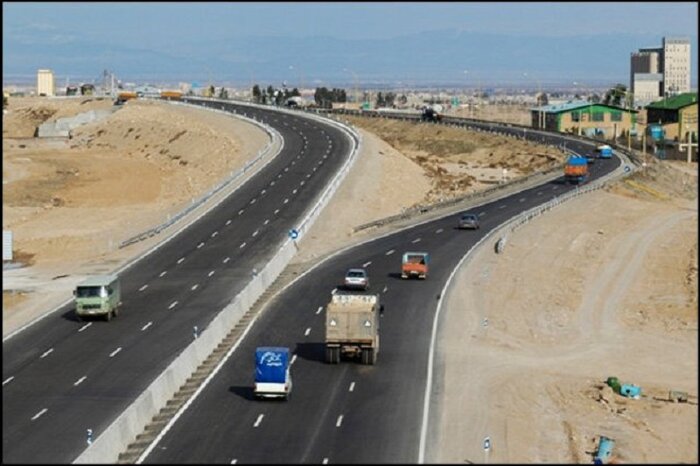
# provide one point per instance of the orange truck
(124, 96)
(171, 95)
(415, 264)
(576, 169)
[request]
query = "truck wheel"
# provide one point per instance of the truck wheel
(332, 355)
(368, 356)
(116, 311)
(108, 317)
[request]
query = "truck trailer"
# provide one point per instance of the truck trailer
(352, 327)
(272, 376)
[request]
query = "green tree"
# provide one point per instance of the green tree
(615, 95)
(211, 90)
(389, 99)
(379, 101)
(257, 95)
(223, 93)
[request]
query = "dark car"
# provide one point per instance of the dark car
(469, 221)
(356, 279)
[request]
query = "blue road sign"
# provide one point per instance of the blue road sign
(293, 234)
(487, 444)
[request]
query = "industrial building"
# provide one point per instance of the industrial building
(585, 118)
(45, 84)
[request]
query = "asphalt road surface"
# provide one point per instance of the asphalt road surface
(62, 376)
(346, 413)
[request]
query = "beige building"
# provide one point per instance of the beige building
(45, 83)
(676, 65)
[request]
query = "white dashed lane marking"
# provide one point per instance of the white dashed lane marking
(40, 413)
(212, 273)
(8, 380)
(306, 333)
(416, 240)
(258, 420)
(226, 260)
(325, 461)
(255, 233)
(194, 287)
(46, 353)
(146, 326)
(114, 353)
(200, 245)
(294, 358)
(242, 245)
(143, 287)
(162, 274)
(172, 305)
(320, 308)
(522, 199)
(352, 387)
(179, 261)
(214, 234)
(252, 201)
(228, 222)
(339, 421)
(240, 212)
(79, 381)
(366, 263)
(286, 200)
(266, 222)
(481, 214)
(276, 210)
(390, 252)
(502, 207)
(85, 326)
(439, 230)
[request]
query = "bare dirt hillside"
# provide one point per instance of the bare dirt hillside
(605, 285)
(457, 160)
(70, 202)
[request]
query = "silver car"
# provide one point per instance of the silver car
(356, 279)
(470, 221)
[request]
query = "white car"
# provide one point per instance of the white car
(356, 279)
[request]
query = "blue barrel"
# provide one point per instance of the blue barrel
(630, 390)
(605, 448)
(657, 132)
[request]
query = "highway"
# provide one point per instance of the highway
(346, 413)
(62, 376)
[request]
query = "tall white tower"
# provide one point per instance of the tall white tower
(676, 65)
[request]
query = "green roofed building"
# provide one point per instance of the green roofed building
(585, 118)
(678, 115)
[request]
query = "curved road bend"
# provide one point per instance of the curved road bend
(346, 413)
(62, 376)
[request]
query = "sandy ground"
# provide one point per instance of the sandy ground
(70, 202)
(609, 288)
(605, 285)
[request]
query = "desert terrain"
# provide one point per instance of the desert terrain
(70, 202)
(604, 285)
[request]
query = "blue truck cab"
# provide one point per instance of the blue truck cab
(605, 152)
(272, 375)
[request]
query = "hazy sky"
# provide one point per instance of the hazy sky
(132, 23)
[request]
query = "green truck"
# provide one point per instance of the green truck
(99, 295)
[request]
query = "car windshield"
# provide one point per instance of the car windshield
(356, 274)
(468, 217)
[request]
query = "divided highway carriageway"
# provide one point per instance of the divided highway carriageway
(345, 413)
(62, 376)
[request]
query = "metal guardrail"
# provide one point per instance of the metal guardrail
(273, 135)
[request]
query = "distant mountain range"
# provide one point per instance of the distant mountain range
(436, 58)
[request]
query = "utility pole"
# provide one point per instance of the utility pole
(690, 144)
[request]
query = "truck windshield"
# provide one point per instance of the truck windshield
(91, 292)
